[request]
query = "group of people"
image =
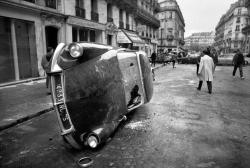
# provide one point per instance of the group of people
(206, 64)
(153, 59)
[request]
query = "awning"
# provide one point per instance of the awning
(154, 41)
(125, 36)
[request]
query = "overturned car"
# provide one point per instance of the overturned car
(94, 86)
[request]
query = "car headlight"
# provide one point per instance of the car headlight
(75, 50)
(92, 141)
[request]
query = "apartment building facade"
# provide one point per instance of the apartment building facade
(229, 34)
(147, 24)
(172, 28)
(28, 27)
(246, 30)
(199, 40)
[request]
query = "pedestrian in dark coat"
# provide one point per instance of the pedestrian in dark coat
(214, 55)
(153, 58)
(238, 62)
(46, 64)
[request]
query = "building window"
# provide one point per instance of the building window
(170, 30)
(127, 21)
(50, 3)
(83, 35)
(239, 11)
(94, 11)
(170, 15)
(74, 34)
(237, 28)
(109, 13)
(109, 39)
(238, 20)
(235, 45)
(121, 24)
(80, 11)
(92, 35)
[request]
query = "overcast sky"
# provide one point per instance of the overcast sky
(202, 15)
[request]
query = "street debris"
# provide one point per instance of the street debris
(85, 162)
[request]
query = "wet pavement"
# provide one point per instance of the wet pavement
(180, 128)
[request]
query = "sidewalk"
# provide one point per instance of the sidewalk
(20, 102)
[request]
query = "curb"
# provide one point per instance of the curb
(25, 118)
(155, 68)
(21, 81)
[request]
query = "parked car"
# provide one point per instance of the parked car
(227, 59)
(163, 58)
(94, 87)
(189, 59)
(247, 59)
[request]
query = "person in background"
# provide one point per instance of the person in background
(238, 62)
(198, 59)
(206, 70)
(214, 55)
(46, 64)
(153, 58)
(174, 59)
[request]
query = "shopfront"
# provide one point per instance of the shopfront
(18, 59)
(129, 39)
(111, 34)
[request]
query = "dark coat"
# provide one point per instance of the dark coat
(153, 56)
(238, 59)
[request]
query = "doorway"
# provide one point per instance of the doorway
(51, 37)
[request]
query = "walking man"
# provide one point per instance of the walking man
(206, 70)
(153, 58)
(238, 62)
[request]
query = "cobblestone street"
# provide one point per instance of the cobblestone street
(180, 127)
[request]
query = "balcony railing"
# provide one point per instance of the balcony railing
(50, 3)
(141, 14)
(80, 12)
(121, 25)
(31, 1)
(110, 19)
(127, 26)
(94, 16)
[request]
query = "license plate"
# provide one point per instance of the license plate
(64, 116)
(58, 89)
(59, 103)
